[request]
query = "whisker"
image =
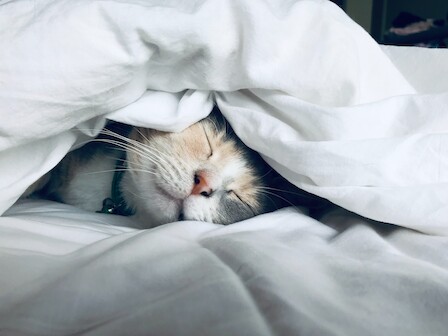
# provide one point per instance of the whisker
(137, 147)
(145, 151)
(117, 170)
(286, 191)
(138, 144)
(278, 196)
(245, 203)
(267, 173)
(271, 200)
(130, 149)
(147, 145)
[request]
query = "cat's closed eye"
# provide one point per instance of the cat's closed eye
(210, 154)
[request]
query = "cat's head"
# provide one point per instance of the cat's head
(203, 173)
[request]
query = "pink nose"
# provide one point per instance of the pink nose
(201, 185)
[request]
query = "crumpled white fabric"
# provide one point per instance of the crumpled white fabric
(300, 82)
(340, 116)
(65, 272)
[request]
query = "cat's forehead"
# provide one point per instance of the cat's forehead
(210, 141)
(205, 137)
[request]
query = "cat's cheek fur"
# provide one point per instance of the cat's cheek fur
(152, 208)
(157, 212)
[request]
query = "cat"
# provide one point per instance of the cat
(204, 173)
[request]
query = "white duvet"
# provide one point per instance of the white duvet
(362, 125)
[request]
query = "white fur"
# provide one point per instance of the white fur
(232, 169)
(159, 202)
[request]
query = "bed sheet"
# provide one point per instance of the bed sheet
(65, 272)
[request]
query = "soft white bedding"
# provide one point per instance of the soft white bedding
(65, 272)
(362, 125)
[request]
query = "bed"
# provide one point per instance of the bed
(362, 125)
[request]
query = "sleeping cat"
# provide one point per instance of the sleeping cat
(203, 173)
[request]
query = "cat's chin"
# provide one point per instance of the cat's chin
(163, 209)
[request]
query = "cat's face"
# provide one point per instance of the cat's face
(203, 173)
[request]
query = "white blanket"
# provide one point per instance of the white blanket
(362, 125)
